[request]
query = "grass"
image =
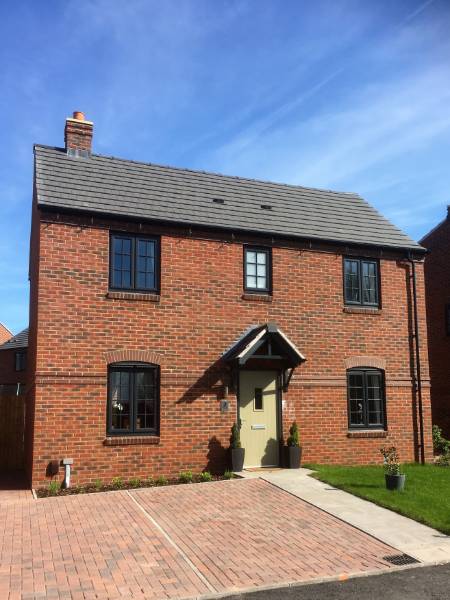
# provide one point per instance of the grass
(426, 497)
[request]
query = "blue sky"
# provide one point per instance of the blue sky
(347, 95)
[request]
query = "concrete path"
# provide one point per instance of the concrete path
(408, 536)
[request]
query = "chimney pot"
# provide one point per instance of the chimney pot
(78, 115)
(78, 135)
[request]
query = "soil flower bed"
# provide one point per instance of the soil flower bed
(117, 483)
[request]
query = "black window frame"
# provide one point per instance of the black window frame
(361, 260)
(366, 425)
(268, 252)
(134, 238)
(133, 367)
(20, 360)
(447, 319)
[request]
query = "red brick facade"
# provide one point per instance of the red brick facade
(437, 277)
(77, 327)
(5, 334)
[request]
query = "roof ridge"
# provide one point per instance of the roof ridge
(203, 172)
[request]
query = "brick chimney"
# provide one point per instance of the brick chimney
(78, 135)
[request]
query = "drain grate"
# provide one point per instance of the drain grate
(400, 559)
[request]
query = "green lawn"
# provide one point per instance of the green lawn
(426, 497)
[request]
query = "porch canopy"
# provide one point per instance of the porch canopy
(264, 346)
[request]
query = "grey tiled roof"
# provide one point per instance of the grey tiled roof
(101, 184)
(17, 341)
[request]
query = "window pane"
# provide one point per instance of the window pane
(121, 260)
(369, 283)
(356, 398)
(120, 400)
(251, 281)
(261, 283)
(250, 256)
(261, 258)
(261, 270)
(145, 264)
(351, 281)
(374, 399)
(251, 269)
(145, 399)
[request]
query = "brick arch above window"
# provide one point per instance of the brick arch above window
(365, 361)
(147, 356)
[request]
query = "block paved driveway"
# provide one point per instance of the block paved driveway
(174, 542)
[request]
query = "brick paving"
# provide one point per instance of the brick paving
(173, 542)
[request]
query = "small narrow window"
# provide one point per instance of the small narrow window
(134, 263)
(21, 360)
(257, 269)
(447, 319)
(366, 393)
(361, 282)
(258, 399)
(133, 399)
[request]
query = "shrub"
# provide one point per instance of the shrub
(186, 477)
(53, 488)
(149, 481)
(391, 460)
(117, 483)
(161, 480)
(443, 460)
(228, 475)
(440, 444)
(205, 476)
(134, 482)
(97, 484)
(293, 439)
(235, 438)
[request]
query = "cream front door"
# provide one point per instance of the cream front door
(259, 415)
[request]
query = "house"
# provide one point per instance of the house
(437, 283)
(5, 333)
(168, 303)
(13, 363)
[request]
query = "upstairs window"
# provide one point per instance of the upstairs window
(134, 263)
(366, 406)
(361, 282)
(257, 269)
(21, 360)
(133, 399)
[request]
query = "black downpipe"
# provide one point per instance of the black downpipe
(418, 381)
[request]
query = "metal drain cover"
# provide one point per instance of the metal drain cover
(400, 559)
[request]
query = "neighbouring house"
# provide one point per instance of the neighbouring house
(168, 303)
(13, 363)
(5, 334)
(437, 284)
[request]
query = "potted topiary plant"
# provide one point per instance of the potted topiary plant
(237, 452)
(294, 448)
(394, 479)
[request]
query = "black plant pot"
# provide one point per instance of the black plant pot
(294, 456)
(395, 482)
(237, 459)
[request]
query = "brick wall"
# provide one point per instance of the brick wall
(5, 334)
(200, 312)
(437, 277)
(8, 373)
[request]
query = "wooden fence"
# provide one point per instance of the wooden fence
(12, 429)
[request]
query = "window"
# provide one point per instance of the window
(257, 269)
(258, 404)
(21, 360)
(361, 281)
(447, 319)
(133, 399)
(134, 263)
(366, 406)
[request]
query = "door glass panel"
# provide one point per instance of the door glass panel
(258, 399)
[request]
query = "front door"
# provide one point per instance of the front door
(258, 412)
